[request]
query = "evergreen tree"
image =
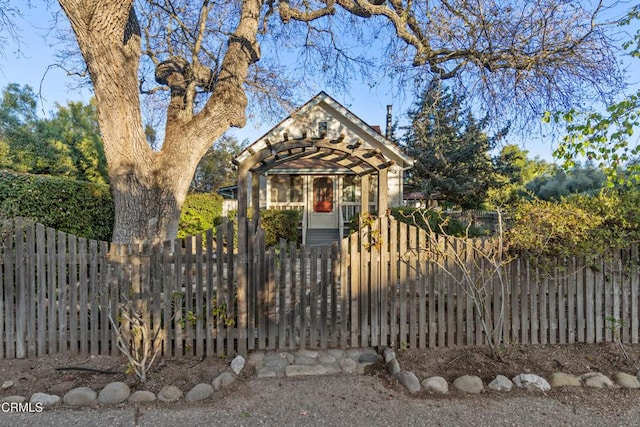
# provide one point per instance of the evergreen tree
(451, 150)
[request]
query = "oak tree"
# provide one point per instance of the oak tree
(207, 56)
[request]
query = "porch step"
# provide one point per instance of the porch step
(322, 236)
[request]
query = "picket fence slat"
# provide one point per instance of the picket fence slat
(41, 290)
(635, 293)
(32, 305)
(200, 313)
(94, 308)
(9, 295)
(51, 324)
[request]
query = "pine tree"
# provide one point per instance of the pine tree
(451, 150)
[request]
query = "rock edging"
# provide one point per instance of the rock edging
(472, 384)
(267, 364)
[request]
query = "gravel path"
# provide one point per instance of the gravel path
(338, 400)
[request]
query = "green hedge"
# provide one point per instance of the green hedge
(77, 207)
(280, 224)
(200, 212)
(277, 224)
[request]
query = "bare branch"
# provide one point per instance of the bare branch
(288, 13)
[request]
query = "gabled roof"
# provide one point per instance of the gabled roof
(348, 140)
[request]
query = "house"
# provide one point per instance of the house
(326, 162)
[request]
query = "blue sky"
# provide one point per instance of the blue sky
(32, 61)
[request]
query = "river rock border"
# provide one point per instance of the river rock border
(472, 384)
(278, 364)
(267, 364)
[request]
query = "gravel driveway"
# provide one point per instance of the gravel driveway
(341, 400)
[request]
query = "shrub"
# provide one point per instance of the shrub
(77, 207)
(200, 212)
(279, 224)
(580, 225)
(435, 221)
(552, 228)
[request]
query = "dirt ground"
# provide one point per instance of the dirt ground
(58, 374)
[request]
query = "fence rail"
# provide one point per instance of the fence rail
(380, 286)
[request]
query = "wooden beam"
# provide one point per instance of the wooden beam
(385, 165)
(372, 153)
(355, 145)
(270, 165)
(344, 156)
(365, 172)
(338, 140)
(358, 162)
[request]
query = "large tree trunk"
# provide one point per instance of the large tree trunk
(147, 205)
(149, 187)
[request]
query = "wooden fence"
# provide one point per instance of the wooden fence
(386, 285)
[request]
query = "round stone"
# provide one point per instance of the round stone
(44, 399)
(625, 380)
(304, 360)
(169, 393)
(13, 399)
(308, 353)
(325, 359)
(393, 367)
(113, 393)
(471, 384)
(409, 381)
(199, 392)
(237, 364)
(560, 379)
(436, 385)
(223, 380)
(500, 383)
(531, 382)
(265, 373)
(596, 380)
(348, 366)
(141, 396)
(79, 396)
(368, 357)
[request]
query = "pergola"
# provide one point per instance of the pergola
(355, 156)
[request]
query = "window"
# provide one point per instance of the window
(286, 188)
(297, 186)
(350, 188)
(322, 129)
